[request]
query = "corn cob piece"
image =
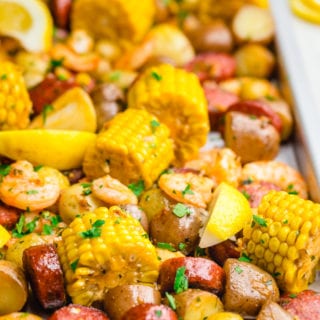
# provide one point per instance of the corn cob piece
(176, 97)
(134, 146)
(113, 19)
(284, 239)
(103, 249)
(15, 104)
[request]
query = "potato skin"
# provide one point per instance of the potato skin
(118, 300)
(137, 213)
(193, 303)
(223, 251)
(251, 138)
(78, 312)
(273, 311)
(167, 227)
(149, 311)
(202, 273)
(247, 287)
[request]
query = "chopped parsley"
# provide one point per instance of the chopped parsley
(86, 188)
(32, 192)
(154, 125)
(158, 313)
(293, 295)
(291, 190)
(247, 181)
(54, 63)
(74, 264)
(45, 111)
(95, 231)
(22, 228)
(171, 300)
(187, 190)
(181, 280)
(181, 246)
(180, 210)
(115, 75)
(3, 76)
(167, 246)
(238, 269)
(156, 76)
(246, 194)
(259, 220)
(244, 258)
(200, 252)
(276, 274)
(47, 229)
(37, 168)
(4, 169)
(137, 188)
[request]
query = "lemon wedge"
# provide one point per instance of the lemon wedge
(28, 21)
(306, 9)
(229, 212)
(4, 236)
(60, 149)
(73, 110)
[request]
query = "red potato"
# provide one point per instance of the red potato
(305, 305)
(212, 66)
(148, 311)
(258, 108)
(9, 216)
(78, 312)
(43, 271)
(202, 273)
(219, 100)
(118, 300)
(273, 311)
(61, 12)
(223, 251)
(255, 190)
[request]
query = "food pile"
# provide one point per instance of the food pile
(117, 201)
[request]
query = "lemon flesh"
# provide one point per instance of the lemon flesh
(229, 212)
(60, 149)
(307, 10)
(4, 236)
(29, 22)
(73, 110)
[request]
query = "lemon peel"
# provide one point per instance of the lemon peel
(229, 212)
(306, 9)
(4, 236)
(60, 149)
(29, 22)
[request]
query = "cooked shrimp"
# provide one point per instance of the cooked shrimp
(75, 61)
(25, 189)
(112, 191)
(279, 173)
(218, 164)
(187, 188)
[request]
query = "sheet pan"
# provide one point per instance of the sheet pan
(298, 45)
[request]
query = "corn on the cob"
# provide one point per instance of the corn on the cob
(103, 249)
(176, 97)
(15, 104)
(134, 146)
(116, 20)
(284, 239)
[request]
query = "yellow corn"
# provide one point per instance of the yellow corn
(115, 20)
(15, 104)
(176, 97)
(134, 146)
(284, 239)
(103, 249)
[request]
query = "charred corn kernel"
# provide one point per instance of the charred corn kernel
(116, 20)
(133, 147)
(103, 249)
(176, 97)
(15, 104)
(291, 242)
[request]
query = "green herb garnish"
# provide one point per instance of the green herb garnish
(167, 246)
(187, 190)
(95, 231)
(181, 280)
(45, 111)
(259, 220)
(244, 258)
(156, 76)
(137, 188)
(171, 300)
(180, 210)
(74, 264)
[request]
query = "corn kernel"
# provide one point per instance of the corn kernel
(302, 241)
(274, 228)
(274, 244)
(283, 249)
(292, 236)
(259, 251)
(292, 253)
(277, 260)
(283, 233)
(268, 255)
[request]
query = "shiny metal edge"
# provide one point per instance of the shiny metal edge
(306, 137)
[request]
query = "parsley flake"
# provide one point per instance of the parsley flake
(187, 190)
(180, 210)
(45, 111)
(137, 188)
(165, 245)
(47, 229)
(158, 313)
(181, 280)
(54, 63)
(181, 246)
(154, 124)
(95, 231)
(156, 76)
(259, 220)
(74, 264)
(171, 300)
(3, 77)
(4, 169)
(291, 190)
(32, 192)
(293, 295)
(37, 168)
(244, 258)
(238, 269)
(246, 194)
